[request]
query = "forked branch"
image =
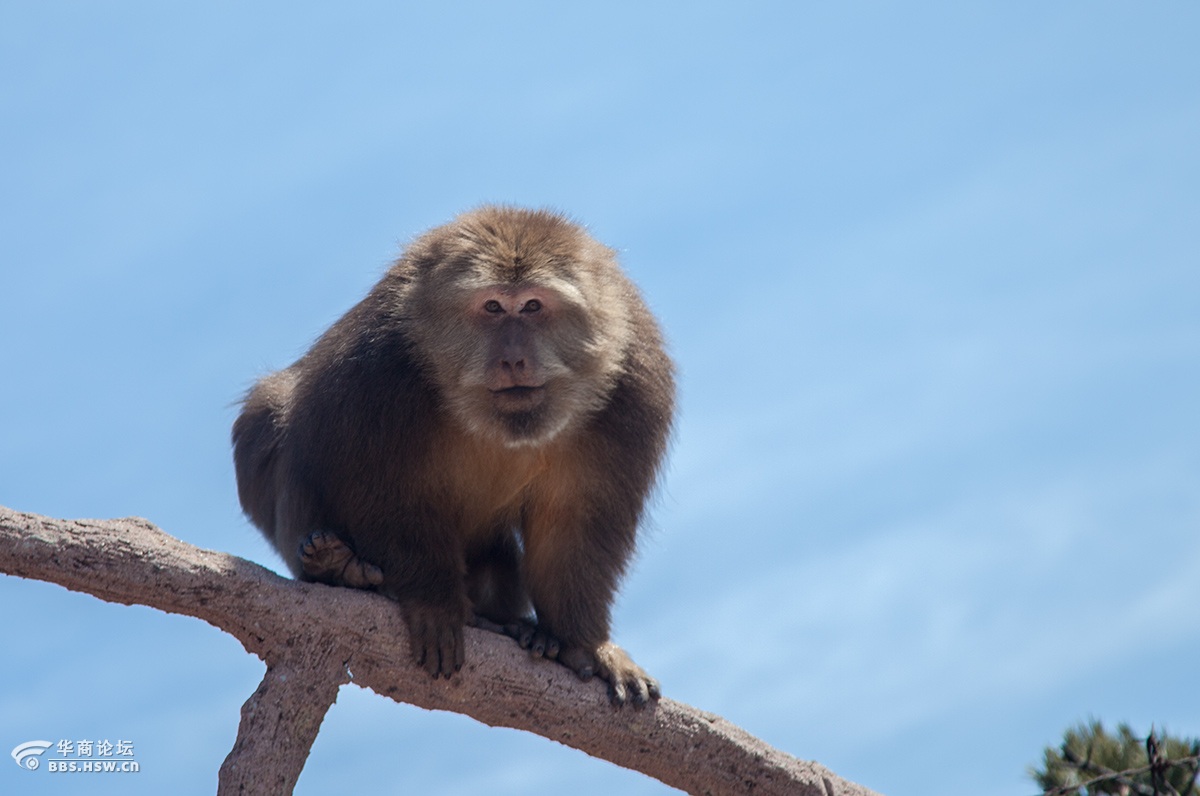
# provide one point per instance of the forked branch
(314, 638)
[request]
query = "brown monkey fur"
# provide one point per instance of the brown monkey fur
(475, 439)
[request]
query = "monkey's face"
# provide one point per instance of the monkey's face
(523, 321)
(518, 367)
(512, 323)
(526, 363)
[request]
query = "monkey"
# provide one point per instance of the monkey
(476, 439)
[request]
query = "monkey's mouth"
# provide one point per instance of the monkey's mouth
(518, 399)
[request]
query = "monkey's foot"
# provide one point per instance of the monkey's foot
(435, 636)
(325, 558)
(529, 636)
(626, 680)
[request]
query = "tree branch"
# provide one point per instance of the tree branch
(314, 638)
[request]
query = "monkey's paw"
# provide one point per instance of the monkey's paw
(325, 558)
(537, 640)
(435, 636)
(626, 680)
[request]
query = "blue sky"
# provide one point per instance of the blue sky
(930, 273)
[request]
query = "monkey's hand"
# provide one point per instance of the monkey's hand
(626, 680)
(435, 636)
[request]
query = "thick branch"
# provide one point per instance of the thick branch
(314, 638)
(280, 723)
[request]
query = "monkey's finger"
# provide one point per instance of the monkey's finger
(640, 691)
(416, 644)
(429, 658)
(372, 574)
(544, 645)
(653, 687)
(420, 648)
(525, 637)
(443, 641)
(430, 653)
(460, 651)
(617, 692)
(433, 655)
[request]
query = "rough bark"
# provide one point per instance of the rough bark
(314, 638)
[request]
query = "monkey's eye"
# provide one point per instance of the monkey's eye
(533, 305)
(493, 306)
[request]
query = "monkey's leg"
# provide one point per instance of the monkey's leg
(325, 558)
(419, 548)
(494, 584)
(498, 598)
(572, 592)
